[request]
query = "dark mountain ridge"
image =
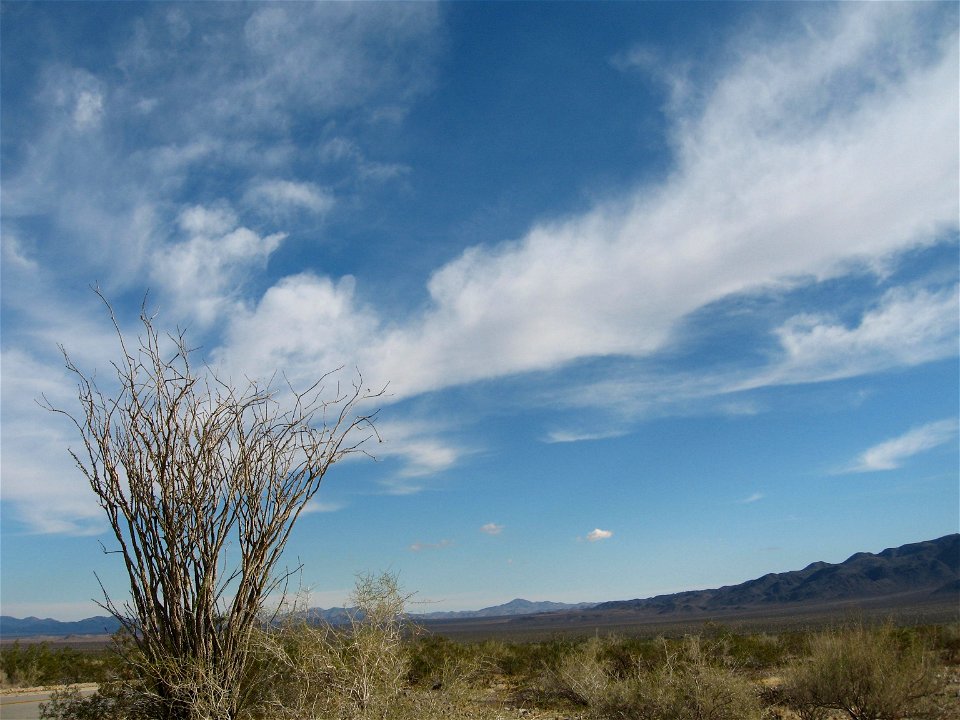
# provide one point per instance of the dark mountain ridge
(11, 627)
(930, 567)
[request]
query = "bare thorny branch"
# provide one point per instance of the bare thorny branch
(190, 469)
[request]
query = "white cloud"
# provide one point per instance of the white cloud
(908, 327)
(77, 93)
(105, 161)
(282, 195)
(491, 528)
(13, 252)
(88, 110)
(780, 179)
(565, 436)
(890, 454)
(203, 272)
(751, 498)
(752, 204)
(200, 220)
(344, 150)
(316, 506)
(330, 55)
(419, 448)
(597, 534)
(302, 324)
(39, 477)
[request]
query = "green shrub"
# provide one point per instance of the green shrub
(688, 685)
(111, 701)
(752, 651)
(868, 674)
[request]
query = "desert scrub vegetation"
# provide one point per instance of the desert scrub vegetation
(867, 674)
(381, 666)
(35, 664)
(299, 671)
(692, 680)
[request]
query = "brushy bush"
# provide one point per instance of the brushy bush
(357, 671)
(525, 661)
(69, 704)
(688, 685)
(583, 677)
(867, 674)
(752, 651)
(111, 701)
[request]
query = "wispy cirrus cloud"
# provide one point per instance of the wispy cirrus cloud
(891, 454)
(750, 206)
(752, 498)
(907, 327)
(276, 197)
(421, 546)
(764, 145)
(318, 506)
(566, 436)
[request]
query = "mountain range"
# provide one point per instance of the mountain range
(928, 570)
(925, 569)
(518, 606)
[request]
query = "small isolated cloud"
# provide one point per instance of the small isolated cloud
(890, 454)
(597, 535)
(421, 546)
(751, 498)
(491, 529)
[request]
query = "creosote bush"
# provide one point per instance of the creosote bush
(876, 674)
(689, 684)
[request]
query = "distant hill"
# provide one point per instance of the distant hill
(11, 627)
(331, 616)
(519, 606)
(514, 607)
(931, 568)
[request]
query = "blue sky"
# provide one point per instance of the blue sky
(666, 294)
